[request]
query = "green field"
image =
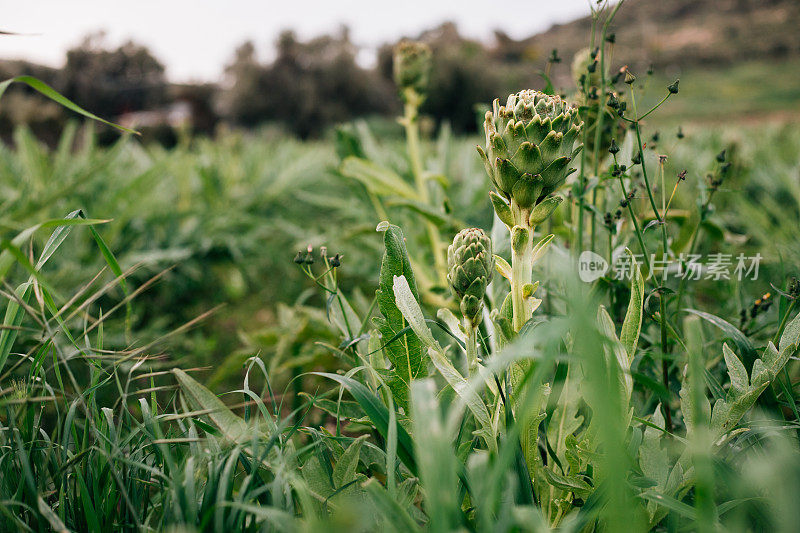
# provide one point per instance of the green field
(257, 333)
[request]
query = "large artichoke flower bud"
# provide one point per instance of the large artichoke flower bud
(412, 67)
(530, 143)
(470, 264)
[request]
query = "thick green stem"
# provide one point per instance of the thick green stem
(521, 271)
(411, 123)
(472, 346)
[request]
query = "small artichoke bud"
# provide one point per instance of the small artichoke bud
(336, 261)
(299, 258)
(673, 87)
(412, 66)
(470, 265)
(629, 77)
(532, 134)
(613, 149)
(543, 211)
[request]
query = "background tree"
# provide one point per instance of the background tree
(308, 87)
(113, 81)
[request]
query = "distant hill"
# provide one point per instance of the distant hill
(737, 59)
(687, 33)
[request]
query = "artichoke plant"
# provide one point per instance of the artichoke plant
(530, 143)
(412, 67)
(470, 264)
(529, 146)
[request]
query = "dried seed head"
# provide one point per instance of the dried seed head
(673, 87)
(629, 77)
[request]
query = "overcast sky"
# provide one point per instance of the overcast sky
(195, 38)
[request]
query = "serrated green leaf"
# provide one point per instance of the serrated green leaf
(346, 467)
(404, 351)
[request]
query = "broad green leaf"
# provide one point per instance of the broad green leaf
(409, 306)
(379, 180)
(232, 427)
(607, 327)
(632, 325)
(569, 483)
(404, 351)
(379, 415)
(565, 420)
(439, 218)
(346, 467)
(451, 321)
(736, 371)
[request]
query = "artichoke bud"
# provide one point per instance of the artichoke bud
(506, 176)
(412, 66)
(527, 190)
(533, 134)
(543, 210)
(502, 209)
(470, 265)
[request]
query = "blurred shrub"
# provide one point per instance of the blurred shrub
(309, 87)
